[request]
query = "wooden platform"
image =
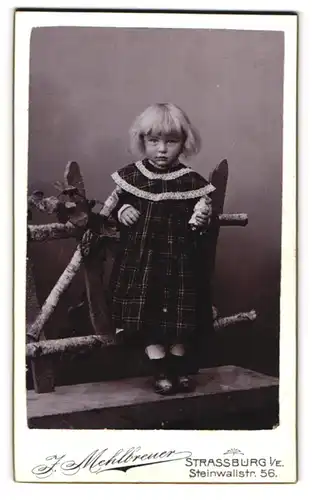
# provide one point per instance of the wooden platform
(130, 403)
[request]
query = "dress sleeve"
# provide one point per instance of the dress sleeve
(124, 198)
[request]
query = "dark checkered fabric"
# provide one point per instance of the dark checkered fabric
(156, 274)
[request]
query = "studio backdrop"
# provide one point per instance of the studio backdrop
(86, 87)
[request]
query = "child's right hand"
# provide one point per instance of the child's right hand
(129, 215)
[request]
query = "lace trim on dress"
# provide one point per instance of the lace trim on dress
(165, 176)
(179, 195)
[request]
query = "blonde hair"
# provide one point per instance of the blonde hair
(164, 119)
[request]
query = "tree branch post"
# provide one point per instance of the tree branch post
(52, 300)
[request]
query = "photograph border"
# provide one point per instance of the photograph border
(290, 241)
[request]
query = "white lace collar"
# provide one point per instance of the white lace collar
(168, 195)
(166, 176)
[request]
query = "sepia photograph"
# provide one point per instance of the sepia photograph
(154, 212)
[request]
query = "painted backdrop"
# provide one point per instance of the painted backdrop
(86, 87)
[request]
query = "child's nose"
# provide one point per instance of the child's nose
(162, 146)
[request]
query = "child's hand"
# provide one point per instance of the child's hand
(202, 213)
(202, 218)
(129, 216)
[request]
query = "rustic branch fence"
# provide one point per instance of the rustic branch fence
(77, 220)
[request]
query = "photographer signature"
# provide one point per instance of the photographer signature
(103, 460)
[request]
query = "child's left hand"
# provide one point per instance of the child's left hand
(203, 217)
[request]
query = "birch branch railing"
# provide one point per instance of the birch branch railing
(55, 294)
(78, 344)
(56, 230)
(73, 217)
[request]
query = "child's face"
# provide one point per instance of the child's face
(163, 150)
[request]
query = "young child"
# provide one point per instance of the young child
(154, 278)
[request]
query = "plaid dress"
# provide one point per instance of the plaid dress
(156, 273)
